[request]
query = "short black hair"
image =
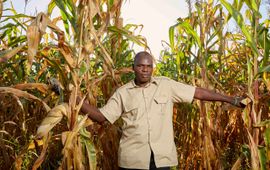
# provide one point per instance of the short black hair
(142, 54)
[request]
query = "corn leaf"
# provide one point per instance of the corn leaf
(42, 155)
(253, 4)
(51, 7)
(1, 8)
(90, 148)
(136, 39)
(83, 69)
(29, 86)
(54, 117)
(267, 137)
(241, 23)
(264, 69)
(263, 158)
(190, 31)
(66, 16)
(255, 161)
(23, 94)
(171, 36)
(7, 54)
(34, 34)
(15, 18)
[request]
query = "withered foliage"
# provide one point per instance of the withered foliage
(47, 61)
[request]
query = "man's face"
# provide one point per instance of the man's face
(143, 68)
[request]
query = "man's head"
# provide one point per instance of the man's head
(143, 68)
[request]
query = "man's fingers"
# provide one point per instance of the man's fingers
(245, 101)
(56, 86)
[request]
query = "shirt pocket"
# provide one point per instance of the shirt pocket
(129, 118)
(131, 111)
(161, 103)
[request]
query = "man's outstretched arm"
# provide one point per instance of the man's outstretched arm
(207, 95)
(92, 112)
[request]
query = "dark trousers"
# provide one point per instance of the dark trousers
(152, 165)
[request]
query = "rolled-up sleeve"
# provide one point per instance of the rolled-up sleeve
(182, 92)
(113, 109)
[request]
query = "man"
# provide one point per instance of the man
(146, 107)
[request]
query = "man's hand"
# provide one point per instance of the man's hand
(55, 85)
(240, 102)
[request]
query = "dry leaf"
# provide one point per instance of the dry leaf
(20, 93)
(67, 55)
(33, 38)
(237, 164)
(18, 163)
(53, 118)
(34, 33)
(10, 53)
(32, 144)
(94, 9)
(1, 8)
(28, 86)
(5, 132)
(70, 136)
(255, 162)
(41, 157)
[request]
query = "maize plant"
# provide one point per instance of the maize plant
(204, 52)
(46, 62)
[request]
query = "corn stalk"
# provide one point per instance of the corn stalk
(87, 58)
(204, 52)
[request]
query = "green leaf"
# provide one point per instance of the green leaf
(211, 52)
(83, 68)
(265, 45)
(171, 36)
(8, 25)
(51, 7)
(111, 3)
(18, 40)
(263, 123)
(267, 137)
(252, 4)
(128, 34)
(90, 148)
(262, 157)
(264, 69)
(190, 31)
(16, 16)
(91, 153)
(5, 33)
(246, 150)
(72, 9)
(65, 21)
(7, 54)
(66, 16)
(240, 22)
(13, 26)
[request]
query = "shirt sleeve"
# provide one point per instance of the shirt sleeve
(113, 108)
(182, 92)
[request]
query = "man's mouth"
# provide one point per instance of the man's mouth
(145, 76)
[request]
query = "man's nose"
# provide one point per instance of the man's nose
(145, 68)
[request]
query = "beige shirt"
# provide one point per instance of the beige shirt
(147, 121)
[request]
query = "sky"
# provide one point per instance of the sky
(155, 15)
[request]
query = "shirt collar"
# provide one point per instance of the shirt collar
(153, 80)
